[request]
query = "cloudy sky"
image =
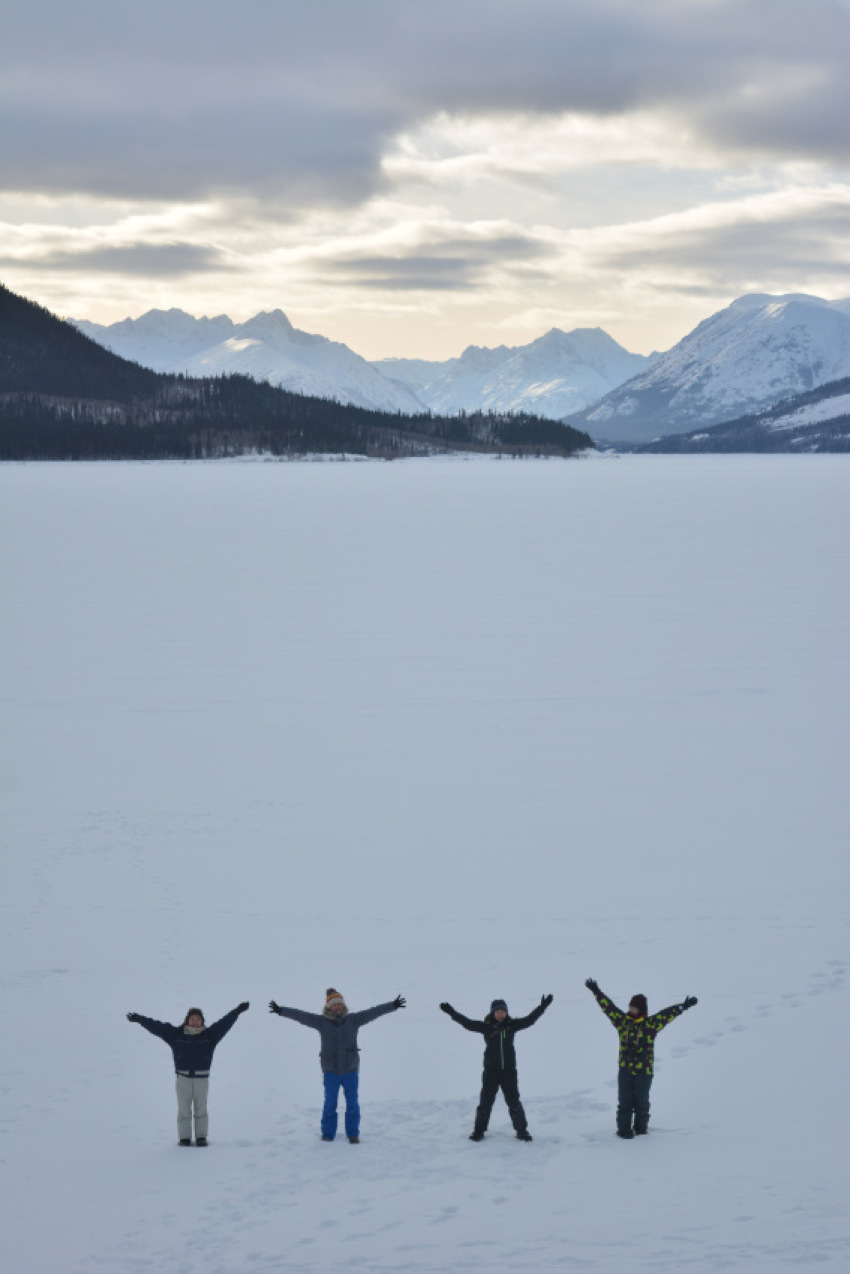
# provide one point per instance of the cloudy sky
(411, 177)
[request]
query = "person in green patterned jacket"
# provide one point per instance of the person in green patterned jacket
(637, 1031)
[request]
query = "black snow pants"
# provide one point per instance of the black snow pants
(491, 1081)
(633, 1095)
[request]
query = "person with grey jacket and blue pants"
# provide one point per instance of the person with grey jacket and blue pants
(339, 1055)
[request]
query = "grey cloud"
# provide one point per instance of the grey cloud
(444, 274)
(814, 244)
(163, 259)
(297, 101)
(451, 264)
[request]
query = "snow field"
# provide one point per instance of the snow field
(456, 729)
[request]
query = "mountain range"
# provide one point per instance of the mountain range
(754, 353)
(551, 377)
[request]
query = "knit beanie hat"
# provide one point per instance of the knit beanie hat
(333, 997)
(639, 1002)
(189, 1013)
(498, 1004)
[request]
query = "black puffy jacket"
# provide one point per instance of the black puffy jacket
(193, 1054)
(499, 1051)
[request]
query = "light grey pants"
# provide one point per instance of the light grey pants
(192, 1092)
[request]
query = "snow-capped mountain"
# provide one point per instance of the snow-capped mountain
(554, 376)
(558, 374)
(816, 421)
(757, 351)
(266, 347)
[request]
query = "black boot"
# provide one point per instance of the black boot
(184, 1141)
(627, 1135)
(525, 1135)
(477, 1135)
(200, 1141)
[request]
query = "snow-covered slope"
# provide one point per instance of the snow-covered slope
(816, 421)
(554, 376)
(266, 347)
(456, 729)
(757, 351)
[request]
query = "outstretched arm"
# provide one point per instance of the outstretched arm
(163, 1030)
(521, 1023)
(466, 1022)
(219, 1029)
(608, 1007)
(665, 1016)
(362, 1016)
(298, 1015)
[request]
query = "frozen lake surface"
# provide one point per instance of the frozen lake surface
(458, 729)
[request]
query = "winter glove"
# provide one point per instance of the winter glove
(243, 1006)
(592, 985)
(545, 1001)
(273, 1008)
(399, 1002)
(133, 1017)
(447, 1008)
(689, 1001)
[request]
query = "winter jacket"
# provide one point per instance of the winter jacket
(193, 1054)
(637, 1034)
(499, 1051)
(338, 1051)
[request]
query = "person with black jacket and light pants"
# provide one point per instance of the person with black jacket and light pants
(192, 1045)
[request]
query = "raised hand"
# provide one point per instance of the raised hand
(545, 1001)
(243, 1006)
(446, 1007)
(592, 985)
(689, 1001)
(132, 1017)
(399, 1002)
(273, 1008)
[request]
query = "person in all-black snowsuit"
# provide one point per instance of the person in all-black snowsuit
(339, 1055)
(637, 1031)
(192, 1045)
(499, 1029)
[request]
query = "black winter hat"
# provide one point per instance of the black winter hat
(498, 1004)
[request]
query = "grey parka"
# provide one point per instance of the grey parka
(338, 1052)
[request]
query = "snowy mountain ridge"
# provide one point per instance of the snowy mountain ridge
(557, 374)
(266, 347)
(757, 351)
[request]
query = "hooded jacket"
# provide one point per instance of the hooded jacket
(637, 1034)
(193, 1053)
(499, 1051)
(338, 1051)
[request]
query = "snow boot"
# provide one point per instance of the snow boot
(525, 1135)
(476, 1136)
(200, 1141)
(327, 1139)
(184, 1141)
(354, 1141)
(641, 1132)
(627, 1136)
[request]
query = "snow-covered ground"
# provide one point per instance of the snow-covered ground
(455, 729)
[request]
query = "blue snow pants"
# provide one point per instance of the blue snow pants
(349, 1084)
(633, 1094)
